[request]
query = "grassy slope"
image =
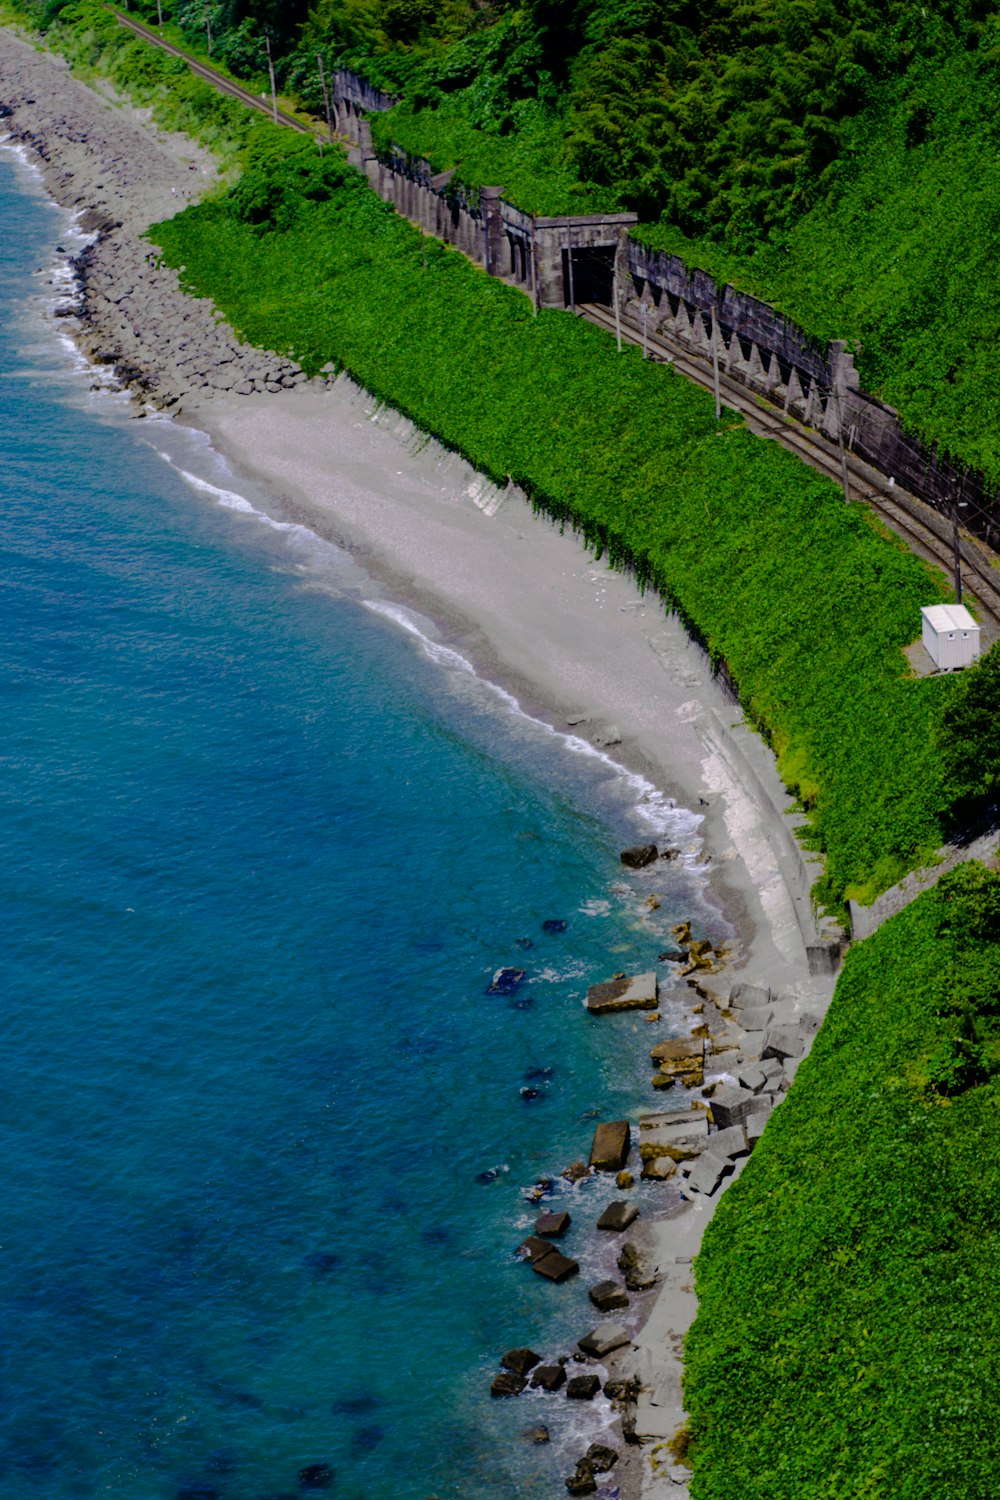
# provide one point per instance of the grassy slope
(758, 551)
(849, 1284)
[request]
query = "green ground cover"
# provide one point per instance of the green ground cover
(849, 1284)
(759, 553)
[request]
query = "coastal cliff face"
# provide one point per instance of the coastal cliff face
(120, 174)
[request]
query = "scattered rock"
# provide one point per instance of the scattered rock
(601, 1457)
(604, 1340)
(679, 1060)
(608, 1296)
(539, 1434)
(623, 1390)
(752, 1077)
(679, 1135)
(638, 992)
(638, 856)
(755, 1129)
(658, 1169)
(520, 1360)
(673, 956)
(582, 1481)
(612, 1140)
(618, 1216)
(548, 1378)
(624, 1181)
(553, 1224)
(670, 854)
(583, 1387)
(554, 924)
(507, 1384)
(576, 1171)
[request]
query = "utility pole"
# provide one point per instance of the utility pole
(956, 544)
(270, 71)
(644, 311)
(569, 270)
(845, 477)
(159, 15)
(534, 264)
(614, 298)
(715, 365)
(326, 95)
(208, 28)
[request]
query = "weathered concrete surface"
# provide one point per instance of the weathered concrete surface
(636, 993)
(868, 919)
(612, 1142)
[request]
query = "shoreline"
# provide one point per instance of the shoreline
(575, 642)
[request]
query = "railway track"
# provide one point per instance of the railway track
(923, 529)
(217, 80)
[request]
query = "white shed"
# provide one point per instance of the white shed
(950, 635)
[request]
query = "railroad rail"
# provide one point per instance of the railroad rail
(923, 529)
(217, 80)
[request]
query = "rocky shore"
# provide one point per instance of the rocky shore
(102, 159)
(754, 1010)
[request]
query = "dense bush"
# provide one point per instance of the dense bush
(849, 1283)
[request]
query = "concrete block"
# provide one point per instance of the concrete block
(783, 1042)
(555, 1266)
(610, 1149)
(751, 1077)
(731, 1105)
(729, 1142)
(758, 1019)
(604, 1340)
(708, 1173)
(748, 996)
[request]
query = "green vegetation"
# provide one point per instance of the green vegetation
(849, 1283)
(758, 552)
(969, 738)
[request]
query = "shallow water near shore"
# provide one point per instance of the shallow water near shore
(266, 839)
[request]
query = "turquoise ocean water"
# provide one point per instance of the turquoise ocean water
(262, 849)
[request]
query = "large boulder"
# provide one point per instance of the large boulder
(638, 856)
(608, 1296)
(507, 1384)
(604, 1340)
(520, 1360)
(505, 981)
(757, 1019)
(610, 1148)
(635, 992)
(729, 1142)
(583, 1387)
(658, 1169)
(618, 1216)
(548, 1378)
(601, 1457)
(534, 1248)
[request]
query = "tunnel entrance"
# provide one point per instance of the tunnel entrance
(593, 268)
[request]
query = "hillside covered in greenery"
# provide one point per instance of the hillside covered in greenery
(849, 1283)
(841, 161)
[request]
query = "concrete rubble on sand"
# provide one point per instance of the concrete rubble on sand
(638, 992)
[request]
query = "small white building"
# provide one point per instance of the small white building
(950, 636)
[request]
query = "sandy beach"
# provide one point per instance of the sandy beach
(523, 601)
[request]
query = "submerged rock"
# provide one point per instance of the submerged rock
(505, 981)
(553, 1224)
(638, 992)
(554, 924)
(316, 1477)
